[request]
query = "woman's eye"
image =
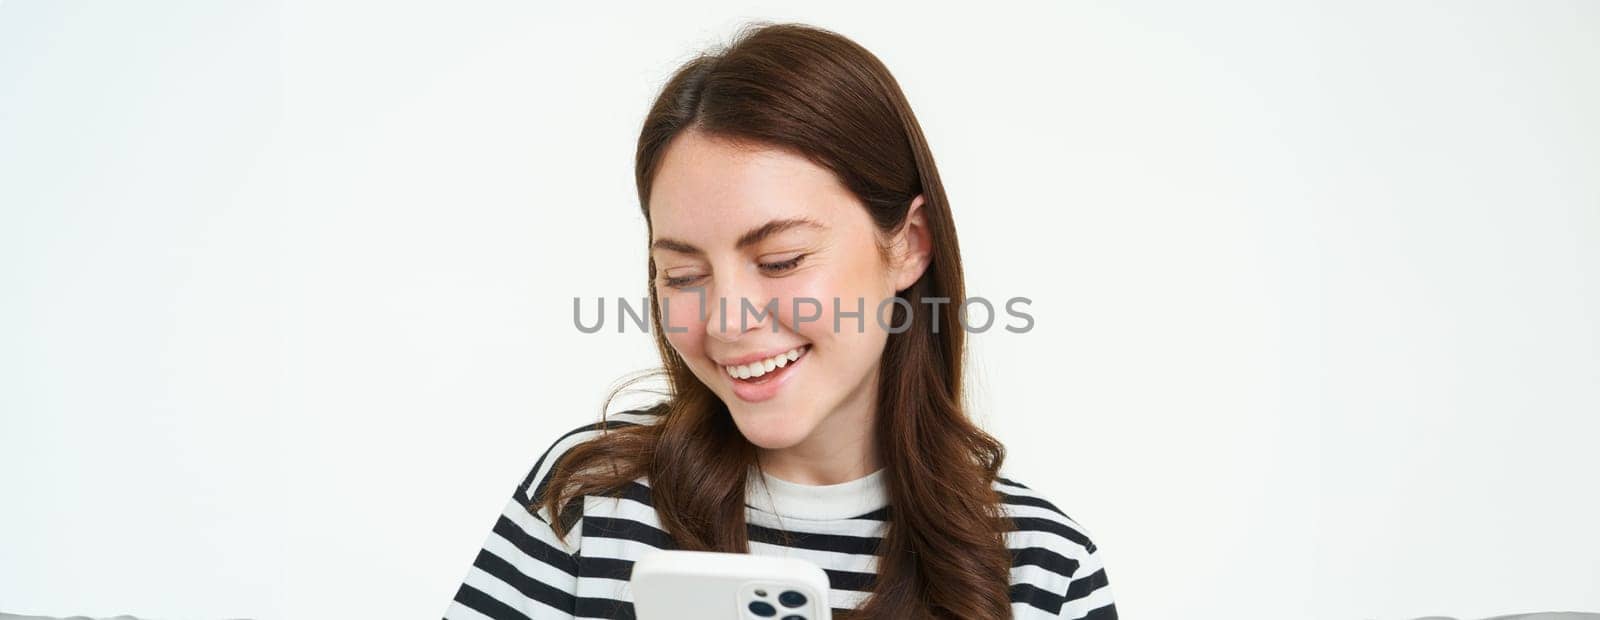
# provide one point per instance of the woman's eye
(768, 268)
(782, 266)
(679, 281)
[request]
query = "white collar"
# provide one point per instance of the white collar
(815, 502)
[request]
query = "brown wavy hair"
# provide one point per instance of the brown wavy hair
(814, 92)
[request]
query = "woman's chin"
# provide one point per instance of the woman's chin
(770, 434)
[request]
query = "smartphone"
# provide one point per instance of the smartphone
(704, 585)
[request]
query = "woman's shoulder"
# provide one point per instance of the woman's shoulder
(1032, 513)
(1054, 554)
(538, 477)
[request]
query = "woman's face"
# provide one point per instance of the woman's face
(768, 228)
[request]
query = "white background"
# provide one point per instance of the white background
(285, 289)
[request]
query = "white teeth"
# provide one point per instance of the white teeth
(756, 369)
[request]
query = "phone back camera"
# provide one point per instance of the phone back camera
(791, 598)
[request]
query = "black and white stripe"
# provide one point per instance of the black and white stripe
(524, 571)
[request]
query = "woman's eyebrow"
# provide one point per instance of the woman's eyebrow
(754, 236)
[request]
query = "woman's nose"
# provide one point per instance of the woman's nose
(736, 307)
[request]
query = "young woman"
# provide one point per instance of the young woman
(790, 197)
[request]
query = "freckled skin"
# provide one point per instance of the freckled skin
(708, 192)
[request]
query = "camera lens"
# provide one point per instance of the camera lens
(765, 610)
(790, 598)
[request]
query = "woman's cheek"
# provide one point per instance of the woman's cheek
(836, 296)
(680, 322)
(807, 299)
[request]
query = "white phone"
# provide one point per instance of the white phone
(704, 585)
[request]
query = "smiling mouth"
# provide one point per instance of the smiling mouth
(767, 369)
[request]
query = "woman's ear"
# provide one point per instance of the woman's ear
(913, 247)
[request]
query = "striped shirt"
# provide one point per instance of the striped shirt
(525, 571)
